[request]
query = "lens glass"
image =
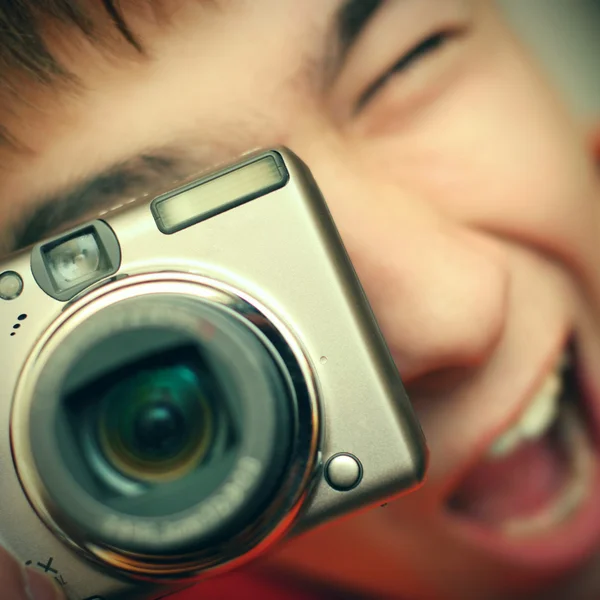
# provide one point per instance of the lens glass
(148, 412)
(163, 424)
(156, 424)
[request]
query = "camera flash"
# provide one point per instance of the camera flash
(11, 285)
(74, 261)
(209, 197)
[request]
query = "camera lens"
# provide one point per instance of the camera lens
(150, 410)
(163, 425)
(156, 425)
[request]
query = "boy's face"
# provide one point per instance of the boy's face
(469, 206)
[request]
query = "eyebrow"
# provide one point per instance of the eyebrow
(135, 176)
(128, 179)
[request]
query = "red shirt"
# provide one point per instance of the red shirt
(242, 585)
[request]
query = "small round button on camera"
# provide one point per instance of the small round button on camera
(343, 472)
(11, 285)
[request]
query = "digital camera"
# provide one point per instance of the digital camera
(189, 378)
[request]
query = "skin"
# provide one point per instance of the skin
(464, 193)
(25, 584)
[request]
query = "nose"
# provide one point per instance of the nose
(439, 289)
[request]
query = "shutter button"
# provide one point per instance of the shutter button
(343, 472)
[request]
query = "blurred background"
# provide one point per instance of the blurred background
(566, 36)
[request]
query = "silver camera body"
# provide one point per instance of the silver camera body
(189, 378)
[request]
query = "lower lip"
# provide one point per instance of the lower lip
(561, 549)
(564, 547)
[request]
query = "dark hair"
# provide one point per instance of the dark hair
(22, 22)
(28, 28)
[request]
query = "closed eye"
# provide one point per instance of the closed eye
(424, 48)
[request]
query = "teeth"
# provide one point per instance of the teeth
(543, 409)
(505, 444)
(535, 420)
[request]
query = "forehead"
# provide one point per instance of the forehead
(199, 48)
(216, 77)
(227, 66)
(77, 51)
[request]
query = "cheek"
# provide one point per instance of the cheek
(498, 152)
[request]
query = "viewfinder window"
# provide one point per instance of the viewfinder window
(67, 264)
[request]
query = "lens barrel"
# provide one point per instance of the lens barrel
(163, 424)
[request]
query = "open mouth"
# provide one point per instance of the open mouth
(539, 472)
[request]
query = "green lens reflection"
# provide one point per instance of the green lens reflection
(156, 425)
